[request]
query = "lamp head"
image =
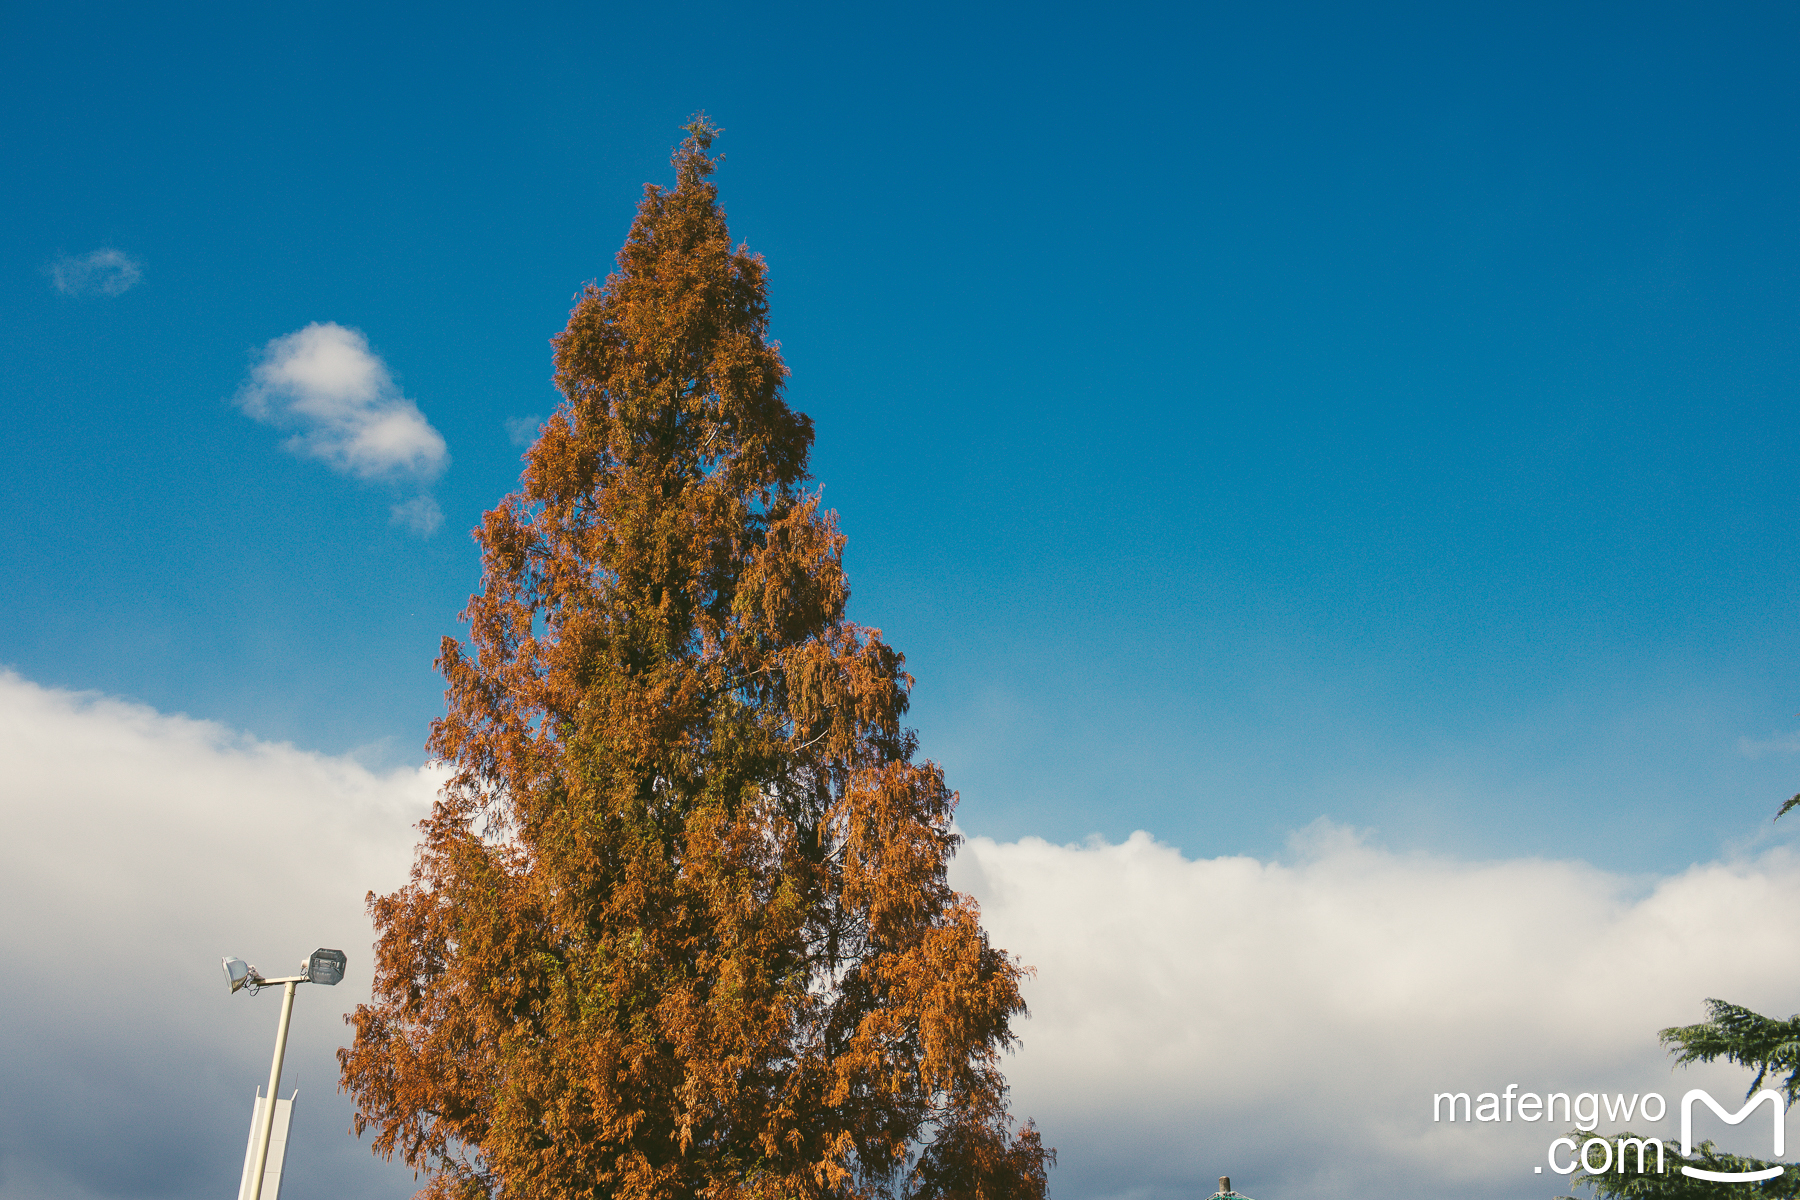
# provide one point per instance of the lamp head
(237, 973)
(326, 967)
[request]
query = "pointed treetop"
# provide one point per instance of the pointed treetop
(691, 161)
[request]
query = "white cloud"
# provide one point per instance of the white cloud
(104, 272)
(1781, 743)
(522, 431)
(421, 514)
(325, 382)
(1287, 1024)
(1282, 1022)
(139, 848)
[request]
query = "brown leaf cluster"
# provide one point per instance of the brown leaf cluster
(679, 924)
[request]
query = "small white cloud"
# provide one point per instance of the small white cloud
(522, 431)
(325, 381)
(105, 272)
(1781, 743)
(421, 514)
(326, 384)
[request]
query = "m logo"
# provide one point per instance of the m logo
(1687, 1134)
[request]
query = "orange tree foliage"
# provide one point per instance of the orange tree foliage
(678, 924)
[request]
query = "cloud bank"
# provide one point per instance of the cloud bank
(139, 849)
(326, 384)
(104, 272)
(1286, 1023)
(1281, 1022)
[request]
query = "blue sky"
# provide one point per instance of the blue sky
(1239, 415)
(1235, 420)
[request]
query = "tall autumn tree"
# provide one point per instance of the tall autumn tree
(678, 925)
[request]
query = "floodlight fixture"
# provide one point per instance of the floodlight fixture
(237, 973)
(326, 967)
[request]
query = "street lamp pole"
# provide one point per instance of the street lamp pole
(326, 967)
(268, 1115)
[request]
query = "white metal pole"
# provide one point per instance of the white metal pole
(268, 1116)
